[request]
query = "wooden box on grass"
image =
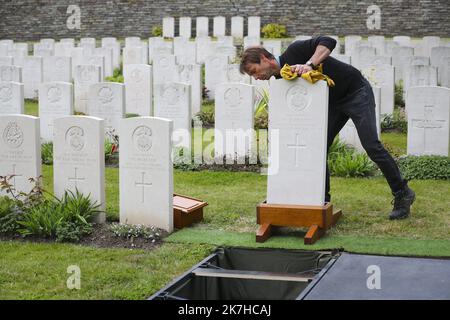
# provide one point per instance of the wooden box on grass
(187, 210)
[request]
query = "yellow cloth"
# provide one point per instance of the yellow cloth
(311, 76)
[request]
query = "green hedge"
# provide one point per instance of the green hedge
(425, 167)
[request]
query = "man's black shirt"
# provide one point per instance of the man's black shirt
(347, 79)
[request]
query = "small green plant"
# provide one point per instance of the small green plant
(206, 116)
(183, 161)
(47, 153)
(344, 161)
(351, 165)
(157, 31)
(117, 76)
(262, 111)
(425, 167)
(273, 30)
(399, 102)
(9, 215)
(397, 121)
(128, 231)
(65, 219)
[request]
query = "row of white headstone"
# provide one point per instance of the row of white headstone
(106, 100)
(219, 27)
(146, 178)
(297, 151)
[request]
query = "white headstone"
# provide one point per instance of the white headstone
(10, 73)
(106, 100)
(11, 98)
(445, 72)
(78, 58)
(251, 41)
(138, 89)
(146, 173)
(215, 67)
(273, 46)
(184, 50)
(173, 102)
(63, 49)
(205, 47)
(298, 114)
(237, 27)
(382, 76)
(132, 55)
(79, 158)
(234, 121)
(360, 51)
(20, 49)
(202, 27)
(219, 26)
(350, 41)
(88, 44)
(164, 69)
(437, 58)
(6, 61)
(107, 54)
(98, 61)
(132, 42)
(379, 43)
(399, 55)
(68, 40)
(235, 76)
(365, 61)
(185, 27)
(20, 151)
(254, 27)
(428, 121)
(55, 101)
(428, 43)
(31, 74)
(168, 27)
(343, 58)
(84, 77)
(419, 76)
(57, 69)
(112, 44)
(402, 40)
(41, 50)
(158, 46)
(192, 75)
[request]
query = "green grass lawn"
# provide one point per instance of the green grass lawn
(38, 271)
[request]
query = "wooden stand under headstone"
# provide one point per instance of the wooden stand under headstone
(187, 210)
(318, 218)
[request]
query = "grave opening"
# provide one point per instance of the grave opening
(242, 273)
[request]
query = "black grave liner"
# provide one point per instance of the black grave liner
(277, 261)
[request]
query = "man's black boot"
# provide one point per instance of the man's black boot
(403, 199)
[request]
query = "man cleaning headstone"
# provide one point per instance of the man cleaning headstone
(350, 96)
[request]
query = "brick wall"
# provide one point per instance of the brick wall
(33, 19)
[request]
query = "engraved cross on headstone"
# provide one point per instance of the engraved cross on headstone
(76, 179)
(428, 124)
(14, 175)
(297, 146)
(143, 184)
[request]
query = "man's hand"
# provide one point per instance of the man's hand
(300, 69)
